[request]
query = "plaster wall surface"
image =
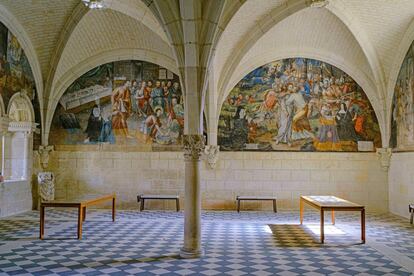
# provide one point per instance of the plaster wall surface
(401, 183)
(287, 175)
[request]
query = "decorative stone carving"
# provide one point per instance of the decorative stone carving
(318, 3)
(384, 155)
(46, 182)
(4, 124)
(212, 154)
(44, 152)
(22, 126)
(193, 146)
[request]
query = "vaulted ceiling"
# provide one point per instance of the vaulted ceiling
(63, 39)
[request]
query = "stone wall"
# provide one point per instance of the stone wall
(287, 175)
(15, 197)
(401, 183)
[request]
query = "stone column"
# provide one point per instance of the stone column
(3, 154)
(193, 148)
(26, 155)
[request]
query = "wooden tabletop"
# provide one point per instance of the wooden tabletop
(331, 202)
(80, 200)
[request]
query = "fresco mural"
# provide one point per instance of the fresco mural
(402, 124)
(16, 74)
(297, 104)
(124, 103)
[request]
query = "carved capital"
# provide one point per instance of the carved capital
(212, 154)
(44, 152)
(384, 155)
(193, 147)
(317, 3)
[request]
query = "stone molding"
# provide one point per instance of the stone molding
(27, 127)
(212, 153)
(193, 146)
(384, 155)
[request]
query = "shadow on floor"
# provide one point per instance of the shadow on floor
(296, 235)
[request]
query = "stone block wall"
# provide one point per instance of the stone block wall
(15, 197)
(401, 183)
(287, 175)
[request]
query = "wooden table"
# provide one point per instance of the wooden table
(332, 203)
(81, 203)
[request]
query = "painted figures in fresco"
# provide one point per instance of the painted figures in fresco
(297, 104)
(402, 124)
(124, 109)
(15, 72)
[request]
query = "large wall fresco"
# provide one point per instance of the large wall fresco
(298, 104)
(16, 74)
(122, 103)
(402, 124)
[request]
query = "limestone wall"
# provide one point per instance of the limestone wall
(287, 175)
(15, 197)
(401, 183)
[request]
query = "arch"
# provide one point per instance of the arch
(404, 46)
(140, 12)
(14, 26)
(2, 107)
(67, 79)
(19, 100)
(275, 16)
(339, 10)
(360, 77)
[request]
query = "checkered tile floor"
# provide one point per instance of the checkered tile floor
(256, 243)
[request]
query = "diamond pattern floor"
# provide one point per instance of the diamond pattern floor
(246, 243)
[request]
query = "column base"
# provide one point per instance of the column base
(191, 254)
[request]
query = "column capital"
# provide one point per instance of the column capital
(212, 154)
(384, 155)
(44, 152)
(193, 146)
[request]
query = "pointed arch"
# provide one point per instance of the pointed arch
(14, 26)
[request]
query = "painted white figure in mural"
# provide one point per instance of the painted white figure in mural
(291, 104)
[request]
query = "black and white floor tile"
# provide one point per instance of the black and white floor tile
(246, 243)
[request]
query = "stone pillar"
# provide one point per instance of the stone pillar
(193, 148)
(3, 154)
(26, 155)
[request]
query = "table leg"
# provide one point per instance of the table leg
(42, 222)
(322, 226)
(412, 217)
(274, 206)
(80, 217)
(142, 205)
(177, 204)
(238, 205)
(113, 208)
(84, 213)
(301, 207)
(333, 217)
(363, 225)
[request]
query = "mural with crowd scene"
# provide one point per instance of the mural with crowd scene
(127, 102)
(298, 104)
(16, 75)
(402, 121)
